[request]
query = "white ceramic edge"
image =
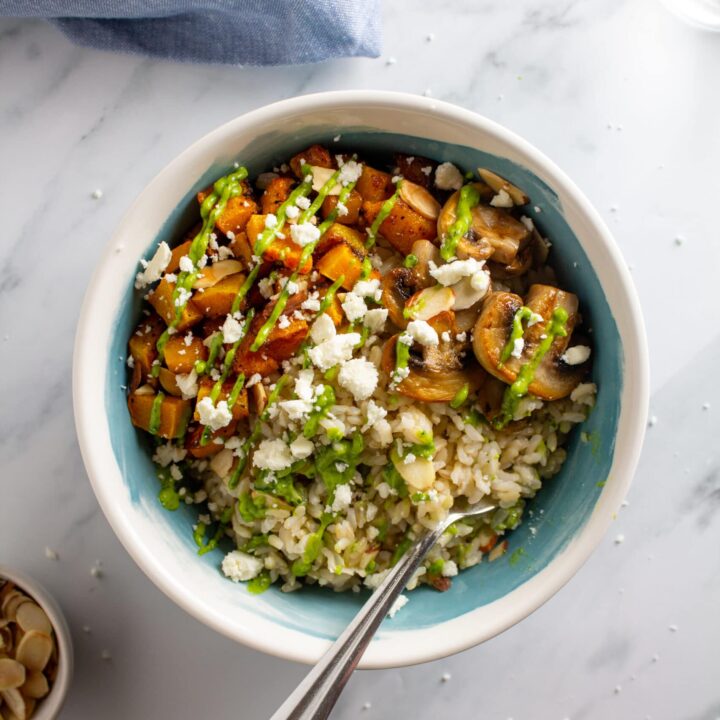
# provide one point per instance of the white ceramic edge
(406, 647)
(51, 705)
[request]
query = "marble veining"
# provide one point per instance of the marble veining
(594, 85)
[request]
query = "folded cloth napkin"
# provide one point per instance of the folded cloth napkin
(244, 32)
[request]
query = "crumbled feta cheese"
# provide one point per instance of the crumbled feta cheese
(450, 568)
(322, 329)
(301, 447)
(214, 416)
(291, 286)
(342, 209)
(576, 355)
(304, 384)
(409, 459)
(461, 337)
(350, 172)
(480, 281)
(367, 288)
(232, 330)
(422, 332)
(155, 268)
(518, 347)
(451, 273)
(534, 319)
(303, 234)
(335, 350)
(527, 222)
(171, 277)
(354, 307)
(375, 319)
(405, 338)
(448, 177)
(312, 303)
(272, 455)
(266, 287)
(342, 499)
(296, 409)
(130, 361)
(182, 298)
(502, 200)
(168, 454)
(239, 566)
(186, 264)
(283, 322)
(175, 473)
(187, 384)
(400, 602)
(271, 220)
(292, 211)
(303, 203)
(359, 376)
(374, 413)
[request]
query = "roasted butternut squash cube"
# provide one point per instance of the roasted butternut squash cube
(342, 260)
(283, 342)
(249, 362)
(276, 193)
(180, 357)
(282, 250)
(216, 301)
(403, 226)
(314, 155)
(337, 234)
(143, 343)
(161, 298)
(239, 409)
(237, 212)
(178, 252)
(374, 184)
(353, 205)
(174, 414)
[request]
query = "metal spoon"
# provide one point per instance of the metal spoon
(315, 697)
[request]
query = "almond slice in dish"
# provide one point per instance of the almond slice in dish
(420, 200)
(34, 650)
(30, 616)
(16, 703)
(430, 302)
(320, 176)
(12, 674)
(212, 274)
(35, 685)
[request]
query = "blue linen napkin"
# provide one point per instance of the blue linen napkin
(238, 32)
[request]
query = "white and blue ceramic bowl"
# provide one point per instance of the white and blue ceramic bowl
(578, 504)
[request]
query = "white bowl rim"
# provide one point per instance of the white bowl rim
(52, 703)
(452, 636)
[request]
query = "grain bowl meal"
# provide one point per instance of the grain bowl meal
(28, 653)
(343, 348)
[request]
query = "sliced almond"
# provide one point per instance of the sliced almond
(212, 274)
(12, 674)
(258, 393)
(430, 302)
(34, 650)
(13, 603)
(6, 640)
(418, 474)
(35, 685)
(498, 183)
(470, 291)
(320, 176)
(30, 616)
(145, 390)
(15, 702)
(420, 200)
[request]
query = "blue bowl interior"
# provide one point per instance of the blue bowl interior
(556, 514)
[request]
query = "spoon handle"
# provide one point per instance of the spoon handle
(315, 697)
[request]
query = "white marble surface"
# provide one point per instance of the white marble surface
(625, 98)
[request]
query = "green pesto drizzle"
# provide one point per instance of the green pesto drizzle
(211, 209)
(156, 413)
(204, 366)
(385, 210)
(460, 397)
(255, 434)
(411, 261)
(469, 198)
(524, 313)
(515, 392)
(321, 407)
(402, 357)
(219, 533)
